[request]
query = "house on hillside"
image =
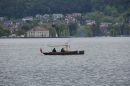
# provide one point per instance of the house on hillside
(28, 19)
(76, 14)
(70, 19)
(13, 31)
(38, 32)
(46, 16)
(1, 19)
(56, 16)
(90, 22)
(8, 24)
(104, 27)
(19, 23)
(39, 16)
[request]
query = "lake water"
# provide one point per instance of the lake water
(106, 62)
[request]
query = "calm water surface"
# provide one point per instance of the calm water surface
(106, 62)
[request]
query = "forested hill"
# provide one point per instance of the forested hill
(22, 8)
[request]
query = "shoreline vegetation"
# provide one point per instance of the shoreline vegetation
(65, 37)
(93, 18)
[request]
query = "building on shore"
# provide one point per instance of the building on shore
(38, 32)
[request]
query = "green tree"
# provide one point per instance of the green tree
(44, 25)
(114, 13)
(26, 27)
(89, 31)
(108, 10)
(19, 32)
(112, 32)
(93, 28)
(122, 27)
(115, 30)
(72, 28)
(1, 28)
(98, 20)
(81, 32)
(126, 17)
(22, 8)
(52, 31)
(120, 9)
(35, 23)
(128, 30)
(84, 31)
(1, 32)
(62, 30)
(6, 32)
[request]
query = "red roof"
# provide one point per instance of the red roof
(38, 29)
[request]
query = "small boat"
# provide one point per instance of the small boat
(65, 52)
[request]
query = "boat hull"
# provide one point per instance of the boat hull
(65, 53)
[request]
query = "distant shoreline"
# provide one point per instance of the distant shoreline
(32, 37)
(56, 37)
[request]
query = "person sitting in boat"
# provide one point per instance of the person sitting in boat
(54, 50)
(62, 50)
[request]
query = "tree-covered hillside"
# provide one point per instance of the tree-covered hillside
(22, 8)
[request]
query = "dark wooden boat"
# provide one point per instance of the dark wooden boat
(66, 52)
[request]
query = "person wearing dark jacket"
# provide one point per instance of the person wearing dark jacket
(62, 50)
(54, 50)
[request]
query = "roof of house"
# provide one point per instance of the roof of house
(38, 29)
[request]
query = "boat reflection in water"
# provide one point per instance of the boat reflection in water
(66, 52)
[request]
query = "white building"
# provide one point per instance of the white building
(39, 16)
(57, 15)
(1, 19)
(28, 18)
(76, 14)
(38, 32)
(90, 22)
(46, 16)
